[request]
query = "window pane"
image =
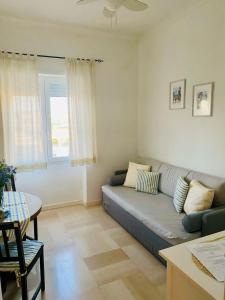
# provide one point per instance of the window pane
(59, 126)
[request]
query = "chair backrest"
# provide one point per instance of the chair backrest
(5, 255)
(11, 186)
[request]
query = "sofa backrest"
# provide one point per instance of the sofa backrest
(213, 182)
(170, 174)
(168, 178)
(154, 163)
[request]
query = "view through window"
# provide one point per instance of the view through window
(59, 127)
(57, 123)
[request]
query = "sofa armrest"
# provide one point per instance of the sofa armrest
(193, 222)
(213, 221)
(119, 172)
(117, 179)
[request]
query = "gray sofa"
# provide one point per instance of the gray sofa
(152, 219)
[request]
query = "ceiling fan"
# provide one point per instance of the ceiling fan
(111, 6)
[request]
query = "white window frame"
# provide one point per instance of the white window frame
(45, 80)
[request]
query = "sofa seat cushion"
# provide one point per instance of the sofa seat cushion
(156, 212)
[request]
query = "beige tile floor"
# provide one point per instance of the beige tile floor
(88, 256)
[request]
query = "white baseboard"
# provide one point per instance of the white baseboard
(61, 205)
(70, 203)
(92, 203)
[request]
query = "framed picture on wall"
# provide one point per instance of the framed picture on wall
(177, 94)
(202, 100)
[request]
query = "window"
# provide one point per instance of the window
(55, 103)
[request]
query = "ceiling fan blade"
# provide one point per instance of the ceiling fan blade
(135, 5)
(108, 13)
(81, 2)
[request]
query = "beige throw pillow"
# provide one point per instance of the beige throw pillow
(131, 177)
(198, 198)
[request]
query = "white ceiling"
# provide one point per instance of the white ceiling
(90, 15)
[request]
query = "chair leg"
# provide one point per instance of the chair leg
(42, 270)
(35, 229)
(24, 288)
(3, 282)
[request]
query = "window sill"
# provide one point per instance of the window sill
(64, 162)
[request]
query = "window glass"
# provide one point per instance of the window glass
(57, 124)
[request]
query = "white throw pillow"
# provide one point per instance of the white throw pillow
(199, 198)
(131, 177)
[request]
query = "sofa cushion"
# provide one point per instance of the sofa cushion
(199, 198)
(119, 172)
(156, 212)
(131, 176)
(180, 194)
(168, 178)
(193, 222)
(147, 182)
(213, 182)
(117, 179)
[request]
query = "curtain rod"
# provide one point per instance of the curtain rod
(98, 60)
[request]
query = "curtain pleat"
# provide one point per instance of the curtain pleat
(21, 112)
(82, 120)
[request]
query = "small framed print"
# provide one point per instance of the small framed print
(177, 94)
(202, 100)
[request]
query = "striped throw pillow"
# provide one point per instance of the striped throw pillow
(147, 182)
(180, 194)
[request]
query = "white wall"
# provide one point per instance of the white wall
(116, 80)
(192, 46)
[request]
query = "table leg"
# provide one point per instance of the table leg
(35, 229)
(169, 281)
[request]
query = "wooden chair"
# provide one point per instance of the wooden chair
(11, 186)
(20, 256)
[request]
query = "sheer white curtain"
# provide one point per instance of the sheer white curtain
(81, 99)
(21, 111)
